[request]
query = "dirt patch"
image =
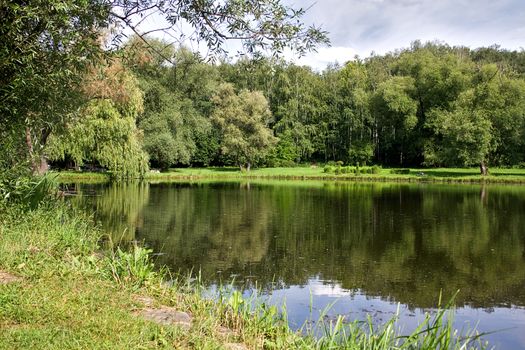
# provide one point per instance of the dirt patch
(166, 316)
(235, 346)
(6, 278)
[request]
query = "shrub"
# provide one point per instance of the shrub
(285, 163)
(371, 170)
(329, 169)
(376, 169)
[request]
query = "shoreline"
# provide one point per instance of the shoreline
(433, 176)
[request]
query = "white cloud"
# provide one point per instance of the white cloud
(385, 25)
(358, 27)
(334, 290)
(326, 55)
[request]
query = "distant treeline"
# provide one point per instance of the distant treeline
(428, 105)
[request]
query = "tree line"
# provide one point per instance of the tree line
(427, 105)
(68, 100)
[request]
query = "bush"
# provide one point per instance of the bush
(329, 169)
(351, 169)
(370, 170)
(400, 171)
(376, 169)
(285, 163)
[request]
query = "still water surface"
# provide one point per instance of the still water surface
(367, 247)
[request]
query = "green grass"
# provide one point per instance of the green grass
(437, 175)
(84, 176)
(71, 298)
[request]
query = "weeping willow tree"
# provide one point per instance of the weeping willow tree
(243, 120)
(103, 131)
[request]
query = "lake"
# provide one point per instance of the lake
(369, 247)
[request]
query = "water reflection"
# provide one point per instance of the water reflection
(395, 243)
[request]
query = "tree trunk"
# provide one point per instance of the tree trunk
(248, 166)
(483, 169)
(29, 143)
(39, 164)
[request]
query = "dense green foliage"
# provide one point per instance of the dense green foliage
(177, 104)
(428, 105)
(243, 121)
(45, 46)
(48, 50)
(104, 131)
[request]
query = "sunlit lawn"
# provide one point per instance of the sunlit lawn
(317, 172)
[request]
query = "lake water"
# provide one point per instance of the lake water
(370, 248)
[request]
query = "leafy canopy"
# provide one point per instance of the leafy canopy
(243, 120)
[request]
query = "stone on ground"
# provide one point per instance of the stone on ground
(166, 316)
(6, 278)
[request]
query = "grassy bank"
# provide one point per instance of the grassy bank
(69, 297)
(70, 294)
(438, 175)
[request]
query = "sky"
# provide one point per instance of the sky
(358, 27)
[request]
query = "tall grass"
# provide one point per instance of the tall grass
(132, 267)
(27, 192)
(435, 332)
(256, 316)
